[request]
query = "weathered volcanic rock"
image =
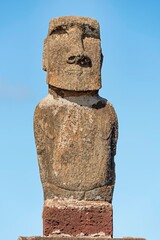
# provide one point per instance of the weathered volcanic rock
(74, 217)
(72, 54)
(76, 144)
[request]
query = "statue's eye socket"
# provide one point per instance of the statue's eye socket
(59, 30)
(89, 31)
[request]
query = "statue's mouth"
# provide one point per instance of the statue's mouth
(74, 72)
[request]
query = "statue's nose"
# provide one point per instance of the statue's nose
(75, 44)
(75, 35)
(71, 59)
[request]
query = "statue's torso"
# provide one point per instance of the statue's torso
(75, 144)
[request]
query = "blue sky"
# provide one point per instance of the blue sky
(131, 82)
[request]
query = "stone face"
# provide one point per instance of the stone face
(76, 217)
(72, 54)
(76, 145)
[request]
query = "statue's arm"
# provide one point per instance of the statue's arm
(114, 137)
(40, 140)
(114, 130)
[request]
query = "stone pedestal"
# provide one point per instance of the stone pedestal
(74, 217)
(77, 238)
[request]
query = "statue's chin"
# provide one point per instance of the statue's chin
(75, 80)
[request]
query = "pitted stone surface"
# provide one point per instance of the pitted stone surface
(74, 217)
(72, 54)
(75, 129)
(76, 147)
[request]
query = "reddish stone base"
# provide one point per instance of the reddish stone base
(77, 218)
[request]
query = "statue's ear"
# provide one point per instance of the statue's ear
(45, 55)
(101, 58)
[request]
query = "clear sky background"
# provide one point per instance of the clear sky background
(130, 34)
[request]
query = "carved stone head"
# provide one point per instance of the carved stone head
(72, 54)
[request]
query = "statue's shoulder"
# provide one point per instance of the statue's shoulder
(111, 111)
(46, 102)
(43, 106)
(114, 126)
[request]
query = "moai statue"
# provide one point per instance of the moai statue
(75, 132)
